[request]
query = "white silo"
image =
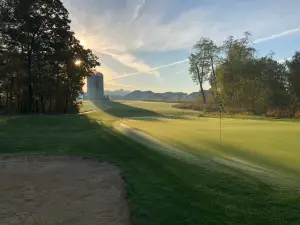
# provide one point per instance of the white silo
(95, 87)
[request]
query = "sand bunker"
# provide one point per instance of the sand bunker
(54, 191)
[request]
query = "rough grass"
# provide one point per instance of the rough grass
(161, 190)
(212, 110)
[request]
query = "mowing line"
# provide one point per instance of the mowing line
(225, 165)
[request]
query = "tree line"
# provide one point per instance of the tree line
(242, 80)
(42, 64)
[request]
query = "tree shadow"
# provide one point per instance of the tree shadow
(120, 110)
(251, 157)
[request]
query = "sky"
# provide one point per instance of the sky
(144, 44)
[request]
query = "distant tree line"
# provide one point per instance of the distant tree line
(38, 54)
(242, 80)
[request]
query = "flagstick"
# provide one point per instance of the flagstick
(220, 125)
(221, 109)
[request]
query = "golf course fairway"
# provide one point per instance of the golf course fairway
(161, 189)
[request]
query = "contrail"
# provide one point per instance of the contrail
(152, 69)
(137, 10)
(274, 36)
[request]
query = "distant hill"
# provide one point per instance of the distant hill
(120, 92)
(167, 96)
(117, 94)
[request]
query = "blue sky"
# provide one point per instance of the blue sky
(134, 38)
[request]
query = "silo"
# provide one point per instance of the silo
(95, 87)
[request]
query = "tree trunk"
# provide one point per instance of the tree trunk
(214, 83)
(213, 70)
(6, 104)
(29, 100)
(66, 106)
(57, 94)
(42, 104)
(37, 106)
(18, 102)
(253, 95)
(200, 83)
(50, 105)
(203, 94)
(11, 99)
(11, 92)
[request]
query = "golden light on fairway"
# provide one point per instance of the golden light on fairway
(78, 62)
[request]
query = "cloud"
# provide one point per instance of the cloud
(279, 35)
(111, 84)
(112, 28)
(103, 34)
(123, 29)
(152, 69)
(283, 60)
(131, 61)
(137, 10)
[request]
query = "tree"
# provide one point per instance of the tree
(199, 71)
(294, 78)
(268, 84)
(38, 49)
(211, 53)
(202, 64)
(244, 81)
(232, 71)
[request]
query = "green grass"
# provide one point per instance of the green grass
(160, 189)
(168, 109)
(162, 108)
(87, 106)
(274, 145)
(259, 140)
(271, 144)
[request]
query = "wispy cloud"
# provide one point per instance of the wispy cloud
(137, 10)
(99, 37)
(152, 69)
(120, 29)
(111, 84)
(112, 28)
(279, 35)
(131, 61)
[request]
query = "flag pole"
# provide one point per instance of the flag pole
(221, 109)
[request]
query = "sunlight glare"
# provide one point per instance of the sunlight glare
(78, 62)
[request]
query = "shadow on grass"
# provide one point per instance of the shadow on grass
(251, 157)
(160, 189)
(120, 110)
(217, 149)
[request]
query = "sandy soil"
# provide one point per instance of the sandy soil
(54, 191)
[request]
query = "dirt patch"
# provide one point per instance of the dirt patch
(55, 190)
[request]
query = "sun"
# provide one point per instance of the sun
(78, 62)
